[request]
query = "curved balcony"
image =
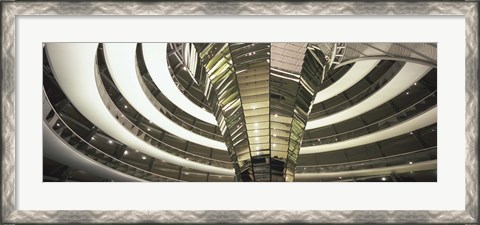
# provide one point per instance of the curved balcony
(415, 109)
(408, 158)
(61, 128)
(405, 78)
(422, 53)
(357, 98)
(194, 153)
(145, 136)
(156, 101)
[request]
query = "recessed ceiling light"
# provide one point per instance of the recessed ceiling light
(148, 129)
(384, 179)
(58, 124)
(143, 157)
(410, 163)
(125, 153)
(408, 93)
(93, 138)
(415, 83)
(187, 173)
(126, 106)
(340, 177)
(276, 115)
(110, 141)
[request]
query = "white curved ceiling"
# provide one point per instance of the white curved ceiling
(155, 56)
(406, 77)
(425, 119)
(358, 71)
(121, 62)
(73, 67)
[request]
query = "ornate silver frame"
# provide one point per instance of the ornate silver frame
(9, 213)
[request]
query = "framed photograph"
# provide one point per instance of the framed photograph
(341, 112)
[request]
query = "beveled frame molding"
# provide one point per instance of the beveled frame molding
(10, 10)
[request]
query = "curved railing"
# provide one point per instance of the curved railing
(375, 86)
(155, 102)
(176, 52)
(393, 160)
(61, 128)
(429, 101)
(140, 133)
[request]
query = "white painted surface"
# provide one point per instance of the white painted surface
(358, 71)
(425, 119)
(155, 56)
(409, 74)
(73, 66)
(121, 62)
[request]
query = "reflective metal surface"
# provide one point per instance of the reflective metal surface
(261, 95)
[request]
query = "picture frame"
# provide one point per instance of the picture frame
(11, 10)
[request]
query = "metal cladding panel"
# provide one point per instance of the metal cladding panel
(261, 97)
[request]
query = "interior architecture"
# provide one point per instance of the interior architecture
(240, 112)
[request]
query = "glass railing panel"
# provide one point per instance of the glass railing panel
(374, 87)
(408, 158)
(156, 102)
(61, 128)
(145, 136)
(426, 103)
